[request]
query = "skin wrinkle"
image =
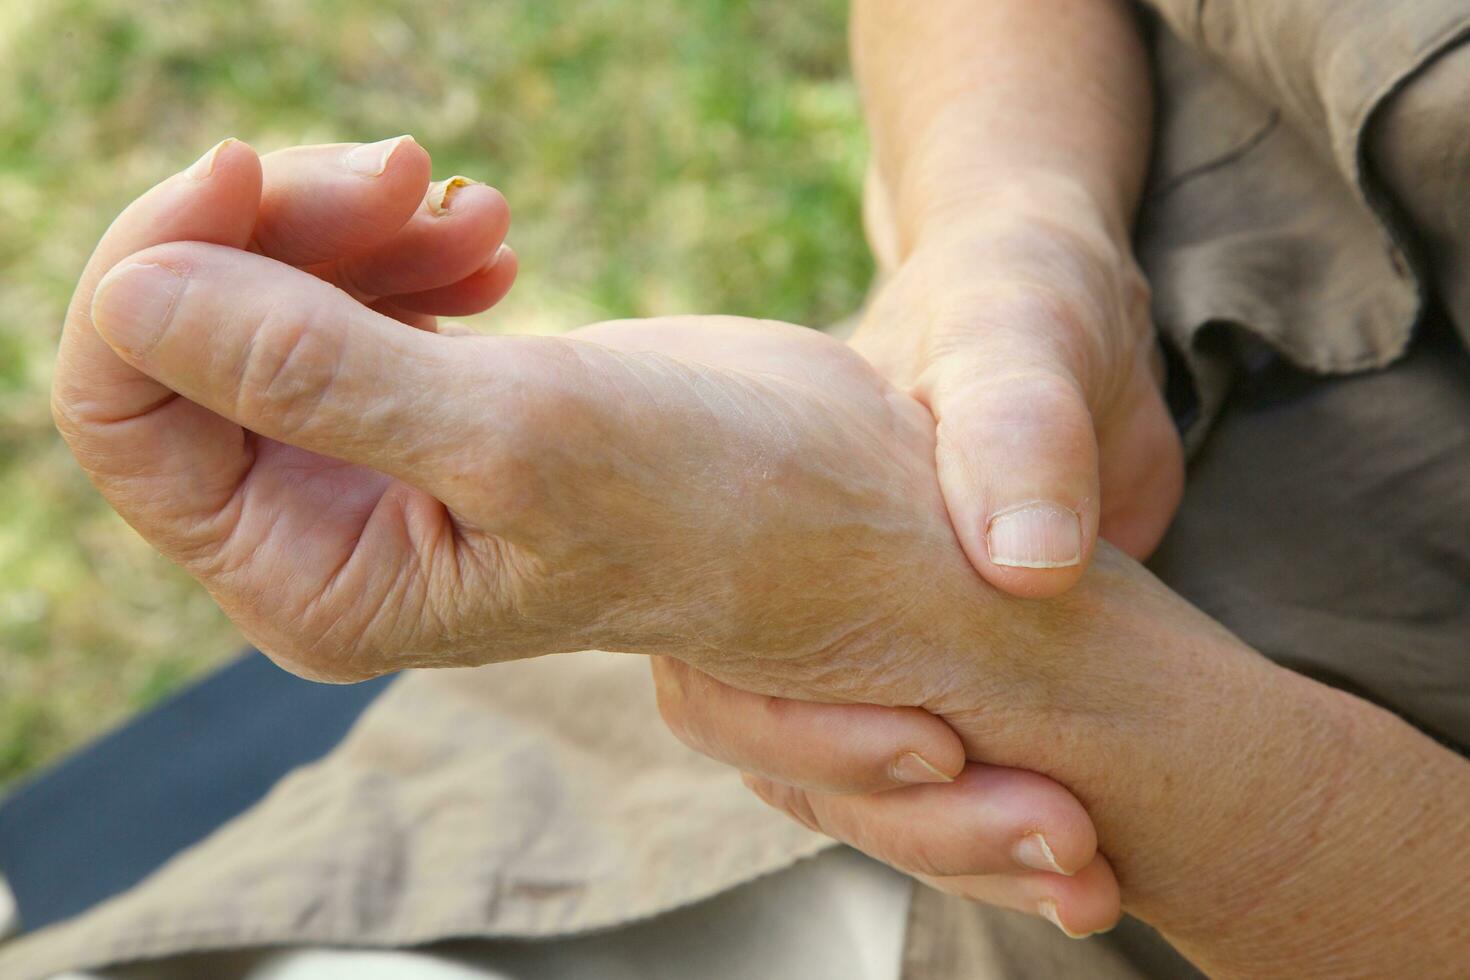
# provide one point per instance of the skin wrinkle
(287, 374)
(220, 541)
(1041, 301)
(392, 646)
(132, 477)
(333, 579)
(70, 413)
(277, 537)
(1265, 882)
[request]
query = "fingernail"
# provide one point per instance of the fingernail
(1033, 852)
(440, 193)
(1048, 909)
(134, 303)
(911, 767)
(1039, 534)
(371, 159)
(204, 166)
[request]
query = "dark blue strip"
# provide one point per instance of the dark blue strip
(104, 818)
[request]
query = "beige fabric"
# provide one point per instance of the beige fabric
(1260, 212)
(1327, 65)
(538, 798)
(544, 798)
(838, 914)
(1244, 224)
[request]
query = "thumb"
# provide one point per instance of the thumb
(1017, 459)
(290, 357)
(214, 200)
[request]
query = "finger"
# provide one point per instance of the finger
(478, 291)
(419, 321)
(333, 200)
(454, 234)
(1082, 905)
(827, 747)
(127, 429)
(292, 358)
(990, 820)
(1017, 460)
(448, 328)
(214, 200)
(1143, 485)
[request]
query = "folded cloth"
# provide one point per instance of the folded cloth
(838, 914)
(1260, 217)
(538, 798)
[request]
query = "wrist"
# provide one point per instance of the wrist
(1262, 821)
(991, 203)
(1208, 770)
(1355, 855)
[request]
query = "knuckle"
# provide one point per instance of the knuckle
(548, 398)
(288, 372)
(941, 859)
(539, 393)
(975, 406)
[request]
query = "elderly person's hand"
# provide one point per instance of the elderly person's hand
(1027, 333)
(1010, 141)
(759, 501)
(754, 500)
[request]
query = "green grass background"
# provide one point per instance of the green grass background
(659, 155)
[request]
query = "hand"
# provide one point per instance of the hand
(363, 217)
(665, 469)
(1003, 836)
(360, 496)
(749, 497)
(1028, 336)
(1026, 332)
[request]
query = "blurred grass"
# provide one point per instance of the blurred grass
(660, 156)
